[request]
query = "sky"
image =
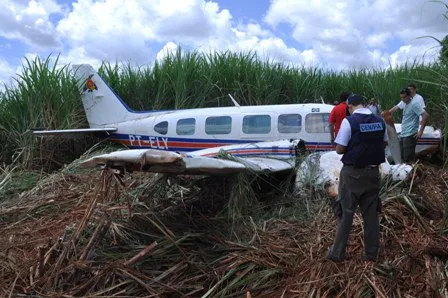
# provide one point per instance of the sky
(331, 34)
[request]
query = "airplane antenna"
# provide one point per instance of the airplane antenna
(234, 101)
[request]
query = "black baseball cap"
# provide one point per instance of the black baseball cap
(354, 100)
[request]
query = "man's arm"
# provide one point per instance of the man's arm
(425, 117)
(343, 137)
(399, 105)
(332, 122)
(393, 109)
(332, 127)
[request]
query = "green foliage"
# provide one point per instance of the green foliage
(18, 182)
(444, 50)
(438, 81)
(445, 137)
(45, 95)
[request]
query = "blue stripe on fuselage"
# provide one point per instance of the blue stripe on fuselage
(172, 139)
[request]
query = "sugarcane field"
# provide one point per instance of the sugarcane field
(118, 209)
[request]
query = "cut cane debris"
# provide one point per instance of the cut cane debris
(105, 235)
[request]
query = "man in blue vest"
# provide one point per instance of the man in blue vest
(361, 140)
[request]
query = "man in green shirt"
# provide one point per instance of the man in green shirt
(410, 130)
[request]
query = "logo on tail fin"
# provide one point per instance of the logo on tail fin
(90, 85)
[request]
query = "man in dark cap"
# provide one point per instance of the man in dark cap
(361, 140)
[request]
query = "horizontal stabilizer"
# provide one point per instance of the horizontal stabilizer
(73, 131)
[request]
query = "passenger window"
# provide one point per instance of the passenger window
(257, 124)
(218, 125)
(289, 123)
(161, 127)
(317, 123)
(186, 126)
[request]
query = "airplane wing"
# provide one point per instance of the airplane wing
(73, 131)
(264, 157)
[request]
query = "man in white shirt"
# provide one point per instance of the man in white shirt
(416, 98)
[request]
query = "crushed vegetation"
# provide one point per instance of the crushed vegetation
(96, 233)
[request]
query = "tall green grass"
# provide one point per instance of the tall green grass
(46, 94)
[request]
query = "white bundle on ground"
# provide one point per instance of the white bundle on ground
(323, 168)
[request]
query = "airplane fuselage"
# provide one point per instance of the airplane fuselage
(195, 129)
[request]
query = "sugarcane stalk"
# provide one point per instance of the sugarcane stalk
(93, 239)
(40, 265)
(141, 254)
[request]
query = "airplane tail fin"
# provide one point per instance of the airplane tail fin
(102, 106)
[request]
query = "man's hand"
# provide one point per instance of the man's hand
(340, 149)
(387, 116)
(418, 134)
(425, 117)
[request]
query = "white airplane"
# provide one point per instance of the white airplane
(259, 138)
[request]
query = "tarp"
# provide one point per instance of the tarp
(324, 169)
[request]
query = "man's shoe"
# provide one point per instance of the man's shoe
(337, 259)
(334, 259)
(370, 259)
